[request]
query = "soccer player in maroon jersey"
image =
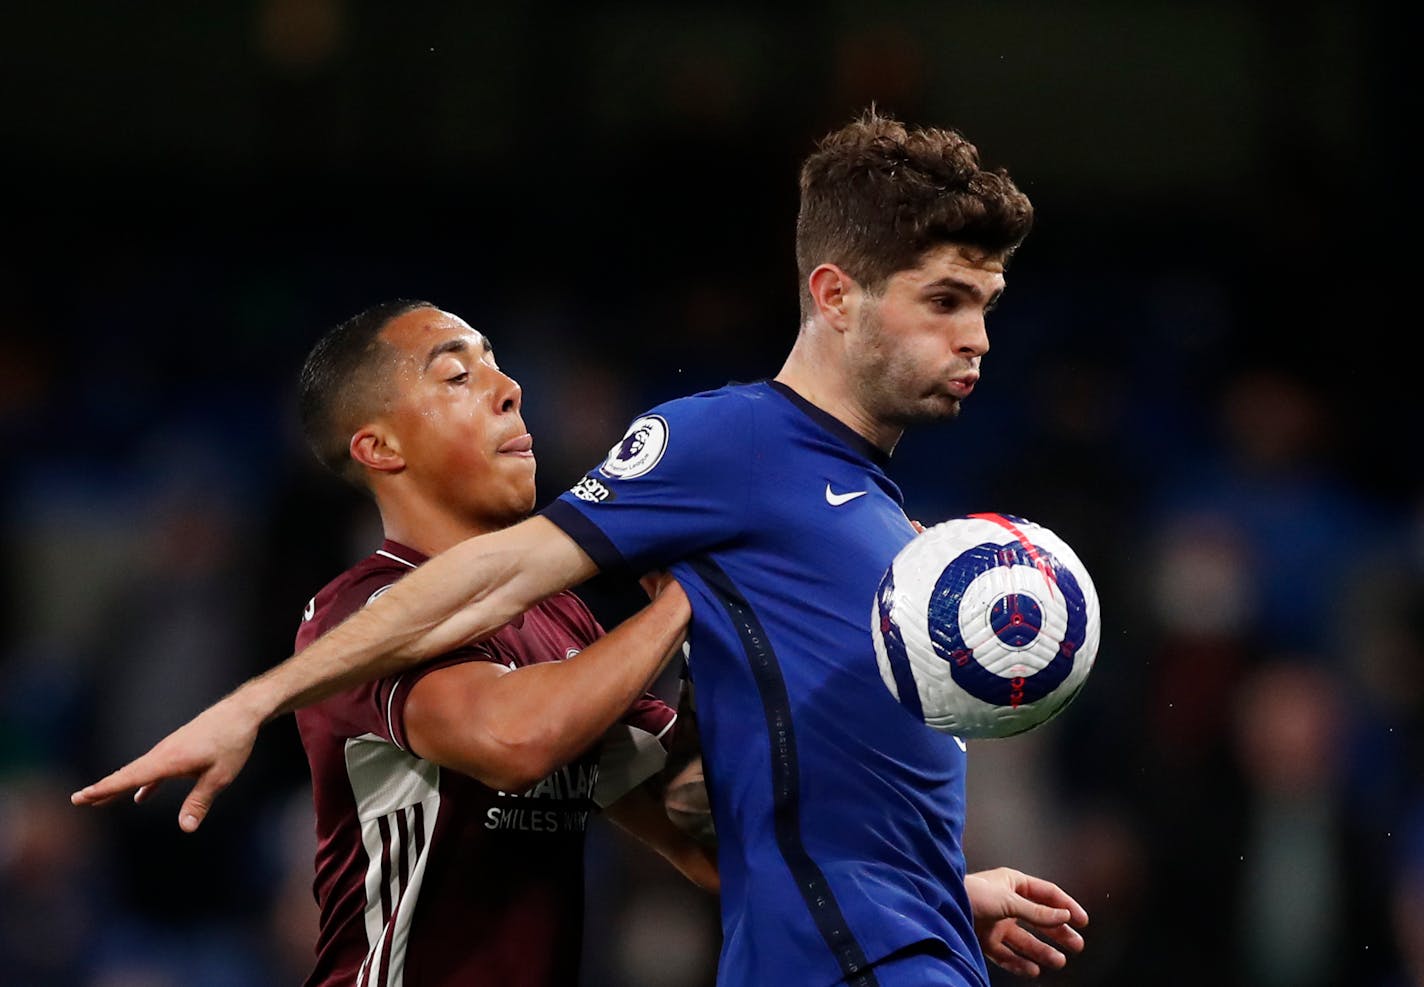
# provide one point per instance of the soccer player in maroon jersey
(451, 800)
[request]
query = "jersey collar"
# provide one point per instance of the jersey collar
(404, 554)
(835, 426)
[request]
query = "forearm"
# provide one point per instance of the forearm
(640, 813)
(684, 782)
(544, 715)
(686, 804)
(463, 594)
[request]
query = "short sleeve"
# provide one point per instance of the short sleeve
(396, 690)
(560, 625)
(634, 749)
(675, 485)
(376, 708)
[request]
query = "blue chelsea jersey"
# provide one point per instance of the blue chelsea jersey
(839, 816)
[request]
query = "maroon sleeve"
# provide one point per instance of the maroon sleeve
(397, 688)
(651, 715)
(634, 749)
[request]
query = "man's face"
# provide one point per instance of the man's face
(456, 418)
(915, 348)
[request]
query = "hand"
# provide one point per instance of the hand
(1007, 903)
(919, 528)
(686, 804)
(212, 747)
(654, 583)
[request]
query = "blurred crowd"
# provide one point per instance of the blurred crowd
(1189, 383)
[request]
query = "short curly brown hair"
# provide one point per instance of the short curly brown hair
(876, 195)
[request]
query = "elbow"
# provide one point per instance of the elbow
(506, 760)
(515, 777)
(516, 762)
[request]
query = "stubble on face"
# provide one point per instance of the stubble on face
(888, 383)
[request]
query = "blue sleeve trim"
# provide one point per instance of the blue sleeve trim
(587, 535)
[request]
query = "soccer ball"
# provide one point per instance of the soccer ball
(985, 625)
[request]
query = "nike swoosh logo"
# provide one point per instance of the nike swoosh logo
(836, 500)
(962, 746)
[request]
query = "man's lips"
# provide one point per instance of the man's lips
(520, 445)
(961, 387)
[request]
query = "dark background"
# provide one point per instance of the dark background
(1200, 378)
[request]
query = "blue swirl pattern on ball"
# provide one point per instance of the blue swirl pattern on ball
(985, 625)
(948, 640)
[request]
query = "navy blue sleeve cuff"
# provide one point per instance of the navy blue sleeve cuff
(587, 535)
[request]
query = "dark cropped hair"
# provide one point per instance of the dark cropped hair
(343, 382)
(875, 196)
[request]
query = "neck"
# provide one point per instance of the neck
(426, 527)
(818, 373)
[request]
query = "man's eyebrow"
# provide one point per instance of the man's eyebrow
(457, 345)
(968, 287)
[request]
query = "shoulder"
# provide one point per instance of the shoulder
(729, 399)
(689, 431)
(347, 593)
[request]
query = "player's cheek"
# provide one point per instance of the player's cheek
(458, 460)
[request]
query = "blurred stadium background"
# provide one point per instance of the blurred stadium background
(1200, 379)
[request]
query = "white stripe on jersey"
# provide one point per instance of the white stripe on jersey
(382, 551)
(422, 816)
(390, 709)
(389, 785)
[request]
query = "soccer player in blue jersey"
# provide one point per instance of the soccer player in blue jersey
(839, 817)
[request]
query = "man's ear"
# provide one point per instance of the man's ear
(835, 295)
(373, 447)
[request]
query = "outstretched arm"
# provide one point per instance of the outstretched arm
(460, 595)
(1007, 903)
(463, 594)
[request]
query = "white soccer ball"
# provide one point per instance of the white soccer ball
(985, 625)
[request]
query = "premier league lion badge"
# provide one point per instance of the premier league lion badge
(639, 451)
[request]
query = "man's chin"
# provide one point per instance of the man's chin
(520, 504)
(526, 503)
(511, 515)
(930, 409)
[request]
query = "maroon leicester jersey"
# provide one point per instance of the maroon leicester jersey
(425, 876)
